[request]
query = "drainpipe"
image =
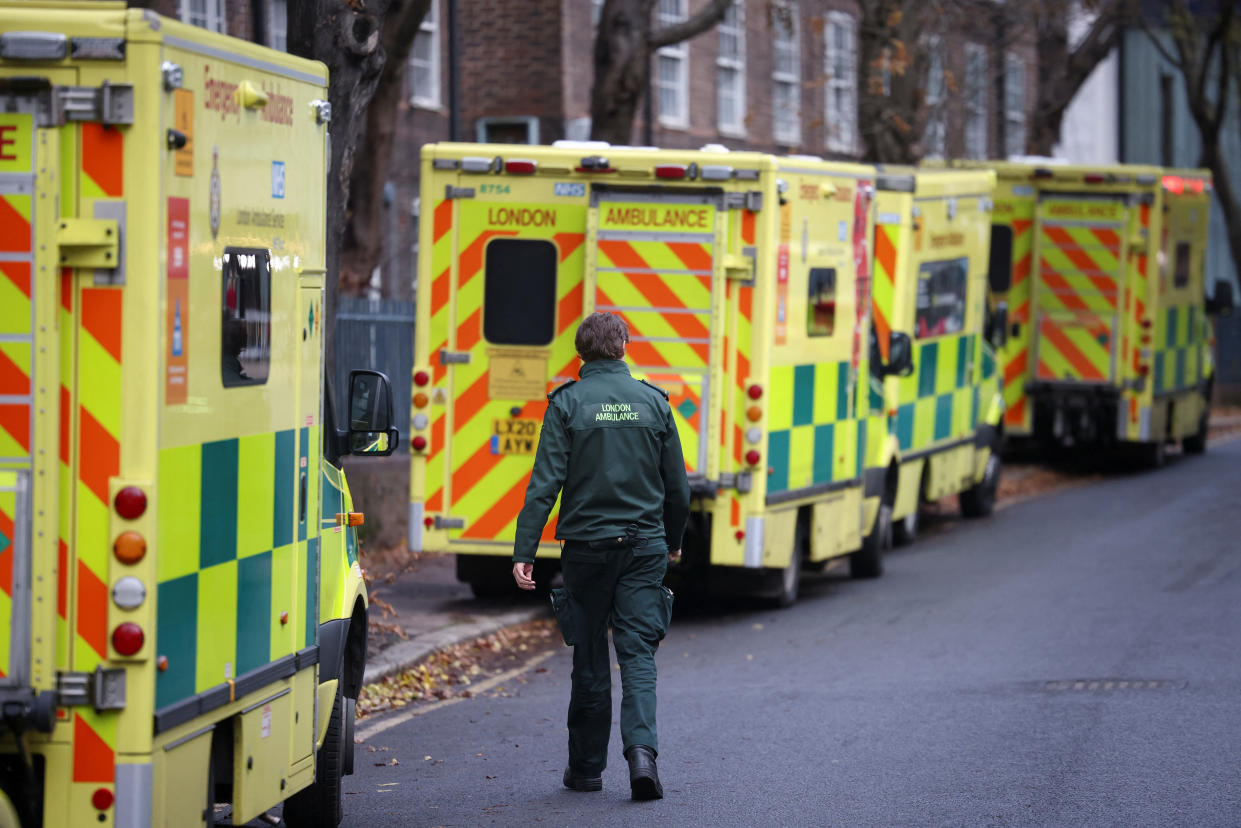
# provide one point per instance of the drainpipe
(454, 72)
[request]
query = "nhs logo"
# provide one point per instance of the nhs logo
(277, 179)
(573, 189)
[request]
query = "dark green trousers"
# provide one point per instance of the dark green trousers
(613, 586)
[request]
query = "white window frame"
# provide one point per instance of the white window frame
(678, 53)
(213, 15)
(1014, 111)
(730, 71)
(278, 24)
(790, 80)
(975, 99)
(935, 133)
(840, 126)
(431, 28)
(596, 12)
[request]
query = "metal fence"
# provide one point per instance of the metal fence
(378, 335)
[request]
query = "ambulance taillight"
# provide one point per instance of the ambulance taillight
(521, 166)
(131, 503)
(129, 547)
(670, 171)
(128, 638)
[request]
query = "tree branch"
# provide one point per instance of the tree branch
(710, 15)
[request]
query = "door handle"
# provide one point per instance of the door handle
(302, 508)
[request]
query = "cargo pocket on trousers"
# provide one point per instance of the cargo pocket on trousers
(665, 610)
(566, 617)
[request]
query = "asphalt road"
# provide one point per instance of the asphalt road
(1073, 660)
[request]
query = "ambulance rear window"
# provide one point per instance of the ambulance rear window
(1180, 276)
(1001, 265)
(245, 332)
(941, 298)
(519, 296)
(821, 301)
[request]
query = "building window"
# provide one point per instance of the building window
(519, 292)
(730, 71)
(596, 11)
(934, 136)
(975, 101)
(840, 70)
(424, 61)
(1014, 105)
(672, 68)
(786, 73)
(208, 14)
(245, 334)
(278, 25)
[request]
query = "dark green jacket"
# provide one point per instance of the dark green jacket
(609, 441)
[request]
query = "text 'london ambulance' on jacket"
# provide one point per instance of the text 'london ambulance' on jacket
(609, 441)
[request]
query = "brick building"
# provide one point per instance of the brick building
(775, 75)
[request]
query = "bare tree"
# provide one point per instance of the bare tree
(892, 68)
(1062, 66)
(623, 47)
(363, 243)
(1206, 49)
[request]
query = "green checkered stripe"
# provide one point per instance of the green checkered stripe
(236, 552)
(938, 400)
(813, 437)
(1178, 358)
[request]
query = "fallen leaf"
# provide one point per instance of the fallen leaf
(749, 657)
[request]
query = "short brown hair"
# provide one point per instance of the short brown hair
(601, 336)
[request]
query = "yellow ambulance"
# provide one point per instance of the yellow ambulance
(1102, 270)
(186, 618)
(932, 233)
(745, 280)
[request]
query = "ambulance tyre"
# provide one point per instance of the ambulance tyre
(905, 530)
(1196, 443)
(979, 500)
(867, 562)
(789, 583)
(320, 806)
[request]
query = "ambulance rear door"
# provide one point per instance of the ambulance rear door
(1079, 289)
(656, 262)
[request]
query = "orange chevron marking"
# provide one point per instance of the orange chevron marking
(440, 291)
(471, 260)
(103, 157)
(569, 243)
(100, 454)
(501, 513)
(13, 380)
(15, 419)
(885, 253)
(1022, 313)
(1016, 367)
(436, 501)
(1021, 269)
(469, 332)
(569, 309)
(93, 760)
(1109, 238)
(65, 425)
(882, 331)
(745, 302)
(1015, 414)
(14, 231)
(101, 316)
(1084, 367)
(1144, 213)
(734, 512)
(92, 609)
(1021, 225)
(469, 403)
(66, 289)
(747, 227)
(743, 369)
(17, 272)
(1064, 292)
(693, 255)
(6, 557)
(442, 220)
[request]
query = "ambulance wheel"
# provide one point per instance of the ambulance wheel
(905, 530)
(9, 817)
(320, 806)
(867, 562)
(1154, 455)
(790, 577)
(979, 500)
(1196, 443)
(492, 587)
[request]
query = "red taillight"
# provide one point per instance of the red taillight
(102, 799)
(1094, 178)
(1145, 323)
(428, 522)
(1195, 185)
(131, 502)
(1173, 184)
(1144, 369)
(752, 457)
(520, 167)
(421, 378)
(755, 391)
(127, 638)
(673, 171)
(419, 443)
(739, 535)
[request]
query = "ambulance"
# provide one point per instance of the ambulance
(186, 618)
(1102, 273)
(932, 247)
(745, 280)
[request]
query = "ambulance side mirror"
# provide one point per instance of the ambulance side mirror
(370, 415)
(997, 325)
(900, 355)
(1220, 303)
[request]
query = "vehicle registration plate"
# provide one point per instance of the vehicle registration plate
(517, 435)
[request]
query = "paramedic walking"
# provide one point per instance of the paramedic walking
(610, 444)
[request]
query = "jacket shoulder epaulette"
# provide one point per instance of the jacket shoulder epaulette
(659, 390)
(558, 389)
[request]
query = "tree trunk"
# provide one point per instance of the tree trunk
(892, 72)
(347, 40)
(623, 47)
(363, 243)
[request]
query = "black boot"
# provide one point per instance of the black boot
(643, 775)
(575, 781)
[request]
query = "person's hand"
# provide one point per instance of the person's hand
(523, 574)
(674, 556)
